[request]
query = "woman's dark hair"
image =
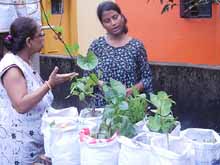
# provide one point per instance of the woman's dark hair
(20, 29)
(109, 5)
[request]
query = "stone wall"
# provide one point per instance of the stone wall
(195, 88)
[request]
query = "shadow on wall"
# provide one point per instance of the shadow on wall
(196, 89)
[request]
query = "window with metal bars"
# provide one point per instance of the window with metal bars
(196, 8)
(57, 7)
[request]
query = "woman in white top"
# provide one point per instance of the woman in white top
(23, 95)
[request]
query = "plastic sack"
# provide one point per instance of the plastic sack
(90, 122)
(179, 152)
(60, 130)
(206, 143)
(98, 151)
(140, 126)
(136, 151)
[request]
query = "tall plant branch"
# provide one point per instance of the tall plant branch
(58, 34)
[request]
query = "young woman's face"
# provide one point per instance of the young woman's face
(113, 22)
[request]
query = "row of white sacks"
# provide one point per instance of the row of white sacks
(67, 142)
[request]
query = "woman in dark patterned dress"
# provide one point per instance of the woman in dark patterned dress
(120, 56)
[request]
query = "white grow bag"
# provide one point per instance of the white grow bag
(136, 151)
(60, 130)
(98, 151)
(180, 151)
(206, 152)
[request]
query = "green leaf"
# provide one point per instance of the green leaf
(154, 123)
(81, 96)
(76, 47)
(94, 78)
(108, 111)
(118, 88)
(87, 63)
(123, 105)
(58, 29)
(155, 100)
(165, 107)
(162, 95)
(81, 86)
(168, 124)
(108, 93)
(165, 8)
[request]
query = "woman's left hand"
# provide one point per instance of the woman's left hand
(128, 92)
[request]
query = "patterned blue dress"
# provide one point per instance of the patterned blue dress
(127, 64)
(21, 141)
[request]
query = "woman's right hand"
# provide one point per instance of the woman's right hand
(56, 79)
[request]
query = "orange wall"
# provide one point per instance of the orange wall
(169, 38)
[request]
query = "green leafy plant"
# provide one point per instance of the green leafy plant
(114, 118)
(137, 105)
(88, 62)
(84, 86)
(163, 120)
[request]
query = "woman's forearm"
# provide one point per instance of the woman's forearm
(28, 101)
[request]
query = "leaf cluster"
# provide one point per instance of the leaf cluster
(84, 86)
(114, 117)
(163, 120)
(137, 104)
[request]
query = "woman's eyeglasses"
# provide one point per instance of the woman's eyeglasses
(40, 35)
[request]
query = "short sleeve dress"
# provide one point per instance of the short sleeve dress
(21, 141)
(127, 64)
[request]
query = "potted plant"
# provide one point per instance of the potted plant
(169, 149)
(102, 147)
(162, 120)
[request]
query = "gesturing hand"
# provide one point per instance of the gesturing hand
(56, 79)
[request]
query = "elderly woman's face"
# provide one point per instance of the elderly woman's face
(113, 22)
(38, 40)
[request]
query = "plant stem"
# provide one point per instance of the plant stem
(167, 137)
(56, 33)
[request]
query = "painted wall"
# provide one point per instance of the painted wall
(169, 38)
(68, 21)
(88, 24)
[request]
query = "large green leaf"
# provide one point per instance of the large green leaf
(168, 124)
(108, 111)
(123, 105)
(87, 63)
(118, 88)
(165, 107)
(155, 100)
(154, 123)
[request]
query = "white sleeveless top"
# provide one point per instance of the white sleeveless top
(21, 141)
